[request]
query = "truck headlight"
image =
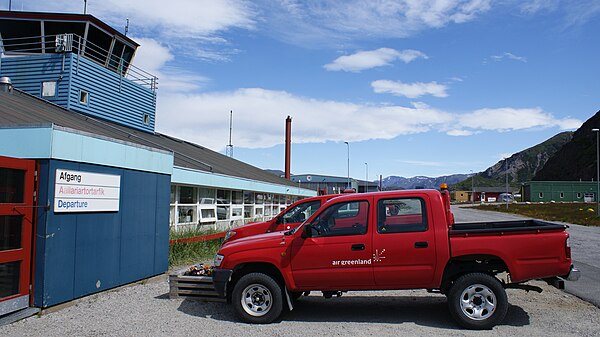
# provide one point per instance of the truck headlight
(218, 260)
(229, 235)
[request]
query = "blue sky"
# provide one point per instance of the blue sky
(416, 87)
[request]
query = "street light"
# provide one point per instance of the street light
(506, 171)
(367, 178)
(348, 146)
(472, 188)
(597, 131)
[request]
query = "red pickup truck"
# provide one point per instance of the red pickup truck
(392, 240)
(289, 218)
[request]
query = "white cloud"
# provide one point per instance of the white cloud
(259, 115)
(373, 58)
(510, 56)
(410, 90)
(459, 133)
(510, 119)
(153, 58)
(534, 6)
(327, 22)
(193, 27)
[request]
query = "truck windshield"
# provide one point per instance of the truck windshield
(301, 212)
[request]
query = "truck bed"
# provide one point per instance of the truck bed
(504, 226)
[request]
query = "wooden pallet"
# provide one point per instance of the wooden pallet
(200, 288)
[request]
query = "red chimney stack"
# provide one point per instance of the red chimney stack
(288, 145)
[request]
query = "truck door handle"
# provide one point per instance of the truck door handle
(421, 244)
(358, 246)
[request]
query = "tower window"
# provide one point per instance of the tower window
(84, 97)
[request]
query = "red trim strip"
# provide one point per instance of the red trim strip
(200, 238)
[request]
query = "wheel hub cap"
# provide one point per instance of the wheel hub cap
(478, 302)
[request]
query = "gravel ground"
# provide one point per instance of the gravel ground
(146, 310)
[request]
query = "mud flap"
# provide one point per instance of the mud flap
(289, 299)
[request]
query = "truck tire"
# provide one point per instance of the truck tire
(257, 298)
(477, 301)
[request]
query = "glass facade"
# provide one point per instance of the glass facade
(199, 206)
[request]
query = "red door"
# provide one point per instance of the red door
(404, 253)
(16, 218)
(338, 254)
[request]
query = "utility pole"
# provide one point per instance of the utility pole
(597, 131)
(229, 151)
(348, 146)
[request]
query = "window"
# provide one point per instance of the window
(173, 188)
(541, 195)
(236, 212)
(49, 89)
(301, 212)
(247, 212)
(345, 218)
(237, 197)
(223, 197)
(187, 214)
(187, 195)
(84, 97)
(401, 215)
(248, 197)
(578, 195)
(562, 195)
(146, 119)
(207, 196)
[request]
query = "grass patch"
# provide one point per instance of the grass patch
(576, 213)
(181, 254)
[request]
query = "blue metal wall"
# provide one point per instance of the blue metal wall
(78, 254)
(111, 97)
(28, 72)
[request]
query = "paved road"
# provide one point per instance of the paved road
(585, 250)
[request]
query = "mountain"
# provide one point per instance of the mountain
(577, 159)
(521, 166)
(278, 173)
(394, 182)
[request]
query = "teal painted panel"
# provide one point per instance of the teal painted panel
(32, 142)
(201, 178)
(88, 149)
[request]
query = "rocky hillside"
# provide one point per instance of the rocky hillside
(577, 159)
(521, 166)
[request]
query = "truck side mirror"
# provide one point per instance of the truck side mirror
(279, 220)
(306, 231)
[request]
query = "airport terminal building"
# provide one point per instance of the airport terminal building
(88, 189)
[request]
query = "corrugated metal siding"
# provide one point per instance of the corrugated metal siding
(83, 253)
(28, 72)
(111, 97)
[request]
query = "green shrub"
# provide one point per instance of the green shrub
(183, 254)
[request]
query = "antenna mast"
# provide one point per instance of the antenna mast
(84, 6)
(127, 27)
(229, 151)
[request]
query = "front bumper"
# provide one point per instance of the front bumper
(220, 279)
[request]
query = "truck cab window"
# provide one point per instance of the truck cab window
(301, 212)
(401, 215)
(346, 218)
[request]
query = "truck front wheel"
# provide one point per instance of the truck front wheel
(477, 301)
(257, 298)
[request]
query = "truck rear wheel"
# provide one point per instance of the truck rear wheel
(477, 301)
(257, 298)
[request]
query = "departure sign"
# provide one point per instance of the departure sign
(76, 191)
